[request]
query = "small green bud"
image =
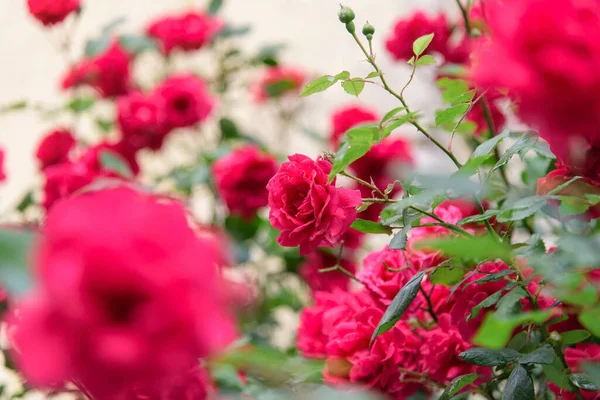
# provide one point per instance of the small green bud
(368, 29)
(350, 27)
(369, 37)
(346, 15)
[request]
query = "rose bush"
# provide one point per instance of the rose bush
(163, 254)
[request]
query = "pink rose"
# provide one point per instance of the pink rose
(189, 31)
(109, 73)
(121, 274)
(55, 147)
(326, 281)
(143, 120)
(276, 82)
(241, 179)
(548, 59)
(307, 209)
(50, 12)
(400, 43)
(187, 100)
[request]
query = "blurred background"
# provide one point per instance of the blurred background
(31, 67)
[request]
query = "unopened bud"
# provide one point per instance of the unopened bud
(368, 29)
(346, 15)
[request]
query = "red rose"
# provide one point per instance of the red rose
(62, 180)
(2, 170)
(50, 12)
(109, 73)
(548, 58)
(582, 353)
(121, 274)
(384, 273)
(307, 209)
(241, 179)
(187, 100)
(348, 117)
(187, 32)
(326, 281)
(400, 43)
(143, 120)
(55, 147)
(276, 82)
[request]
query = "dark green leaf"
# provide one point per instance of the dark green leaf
(14, 250)
(510, 303)
(457, 384)
(353, 86)
(137, 44)
(487, 302)
(104, 125)
(279, 88)
(488, 357)
(519, 385)
(593, 371)
(479, 217)
(227, 378)
(526, 142)
(114, 162)
(542, 355)
(80, 104)
(575, 336)
(556, 374)
(401, 302)
(450, 114)
(398, 242)
(228, 129)
(584, 382)
(590, 319)
(488, 146)
(26, 202)
(215, 6)
(522, 209)
(241, 228)
(366, 226)
(420, 45)
(493, 277)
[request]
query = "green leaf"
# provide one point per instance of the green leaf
(229, 130)
(14, 253)
(279, 88)
(358, 142)
(487, 302)
(227, 378)
(450, 114)
(479, 217)
(590, 319)
(323, 83)
(457, 385)
(215, 6)
(488, 146)
(584, 382)
(542, 355)
(447, 276)
(489, 357)
(556, 374)
(395, 123)
(572, 206)
(493, 277)
(521, 146)
(366, 226)
(398, 242)
(510, 303)
(496, 330)
(519, 385)
(391, 114)
(94, 47)
(425, 60)
(401, 302)
(26, 202)
(466, 97)
(353, 86)
(137, 44)
(113, 162)
(421, 44)
(104, 125)
(230, 31)
(522, 209)
(14, 106)
(372, 75)
(480, 248)
(575, 336)
(241, 228)
(80, 104)
(452, 88)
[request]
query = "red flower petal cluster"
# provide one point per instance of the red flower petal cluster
(276, 82)
(189, 31)
(55, 148)
(51, 12)
(142, 120)
(109, 72)
(121, 274)
(307, 209)
(241, 179)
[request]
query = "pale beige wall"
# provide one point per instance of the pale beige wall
(30, 66)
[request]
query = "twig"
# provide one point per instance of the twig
(364, 183)
(429, 304)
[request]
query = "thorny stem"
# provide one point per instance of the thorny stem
(429, 304)
(338, 266)
(387, 87)
(462, 119)
(487, 114)
(454, 228)
(423, 377)
(364, 183)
